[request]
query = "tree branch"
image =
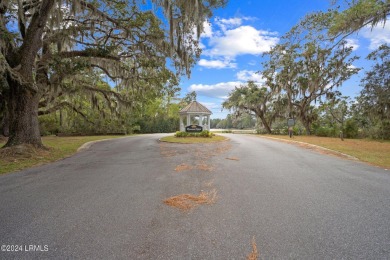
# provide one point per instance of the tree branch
(87, 53)
(62, 105)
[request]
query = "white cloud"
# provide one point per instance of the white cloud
(225, 24)
(241, 40)
(207, 30)
(252, 63)
(250, 75)
(352, 43)
(378, 35)
(211, 105)
(219, 90)
(226, 39)
(217, 64)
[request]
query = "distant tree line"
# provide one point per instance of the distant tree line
(304, 71)
(159, 115)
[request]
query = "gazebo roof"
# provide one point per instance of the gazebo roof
(195, 107)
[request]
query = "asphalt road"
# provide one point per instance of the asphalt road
(107, 203)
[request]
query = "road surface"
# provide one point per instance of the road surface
(107, 203)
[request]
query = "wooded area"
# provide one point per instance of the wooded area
(304, 71)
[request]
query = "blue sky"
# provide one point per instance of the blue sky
(236, 36)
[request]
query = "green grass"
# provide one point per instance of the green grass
(371, 151)
(193, 140)
(59, 148)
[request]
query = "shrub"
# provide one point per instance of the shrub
(158, 125)
(48, 125)
(380, 130)
(135, 129)
(181, 134)
(204, 133)
(351, 129)
(323, 131)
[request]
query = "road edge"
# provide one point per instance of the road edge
(87, 145)
(344, 155)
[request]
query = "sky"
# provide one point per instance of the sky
(235, 38)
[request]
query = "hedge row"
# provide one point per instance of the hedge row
(204, 133)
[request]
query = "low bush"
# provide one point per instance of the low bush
(351, 129)
(205, 133)
(323, 131)
(181, 134)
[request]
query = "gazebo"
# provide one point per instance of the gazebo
(193, 112)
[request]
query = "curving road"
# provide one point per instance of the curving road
(107, 203)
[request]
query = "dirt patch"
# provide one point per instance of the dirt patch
(186, 202)
(254, 255)
(204, 167)
(209, 184)
(183, 167)
(208, 151)
(232, 158)
(222, 149)
(23, 151)
(201, 151)
(3, 139)
(167, 152)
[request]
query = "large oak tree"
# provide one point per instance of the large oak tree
(48, 45)
(307, 66)
(261, 101)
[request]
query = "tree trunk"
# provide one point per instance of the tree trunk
(23, 100)
(23, 116)
(307, 127)
(265, 124)
(4, 125)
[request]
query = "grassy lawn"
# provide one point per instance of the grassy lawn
(59, 147)
(370, 151)
(193, 140)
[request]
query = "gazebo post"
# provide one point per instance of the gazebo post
(181, 124)
(208, 122)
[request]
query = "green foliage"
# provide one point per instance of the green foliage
(214, 122)
(181, 134)
(153, 116)
(48, 125)
(372, 109)
(251, 98)
(158, 124)
(351, 128)
(358, 14)
(324, 131)
(226, 123)
(191, 96)
(204, 134)
(308, 66)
